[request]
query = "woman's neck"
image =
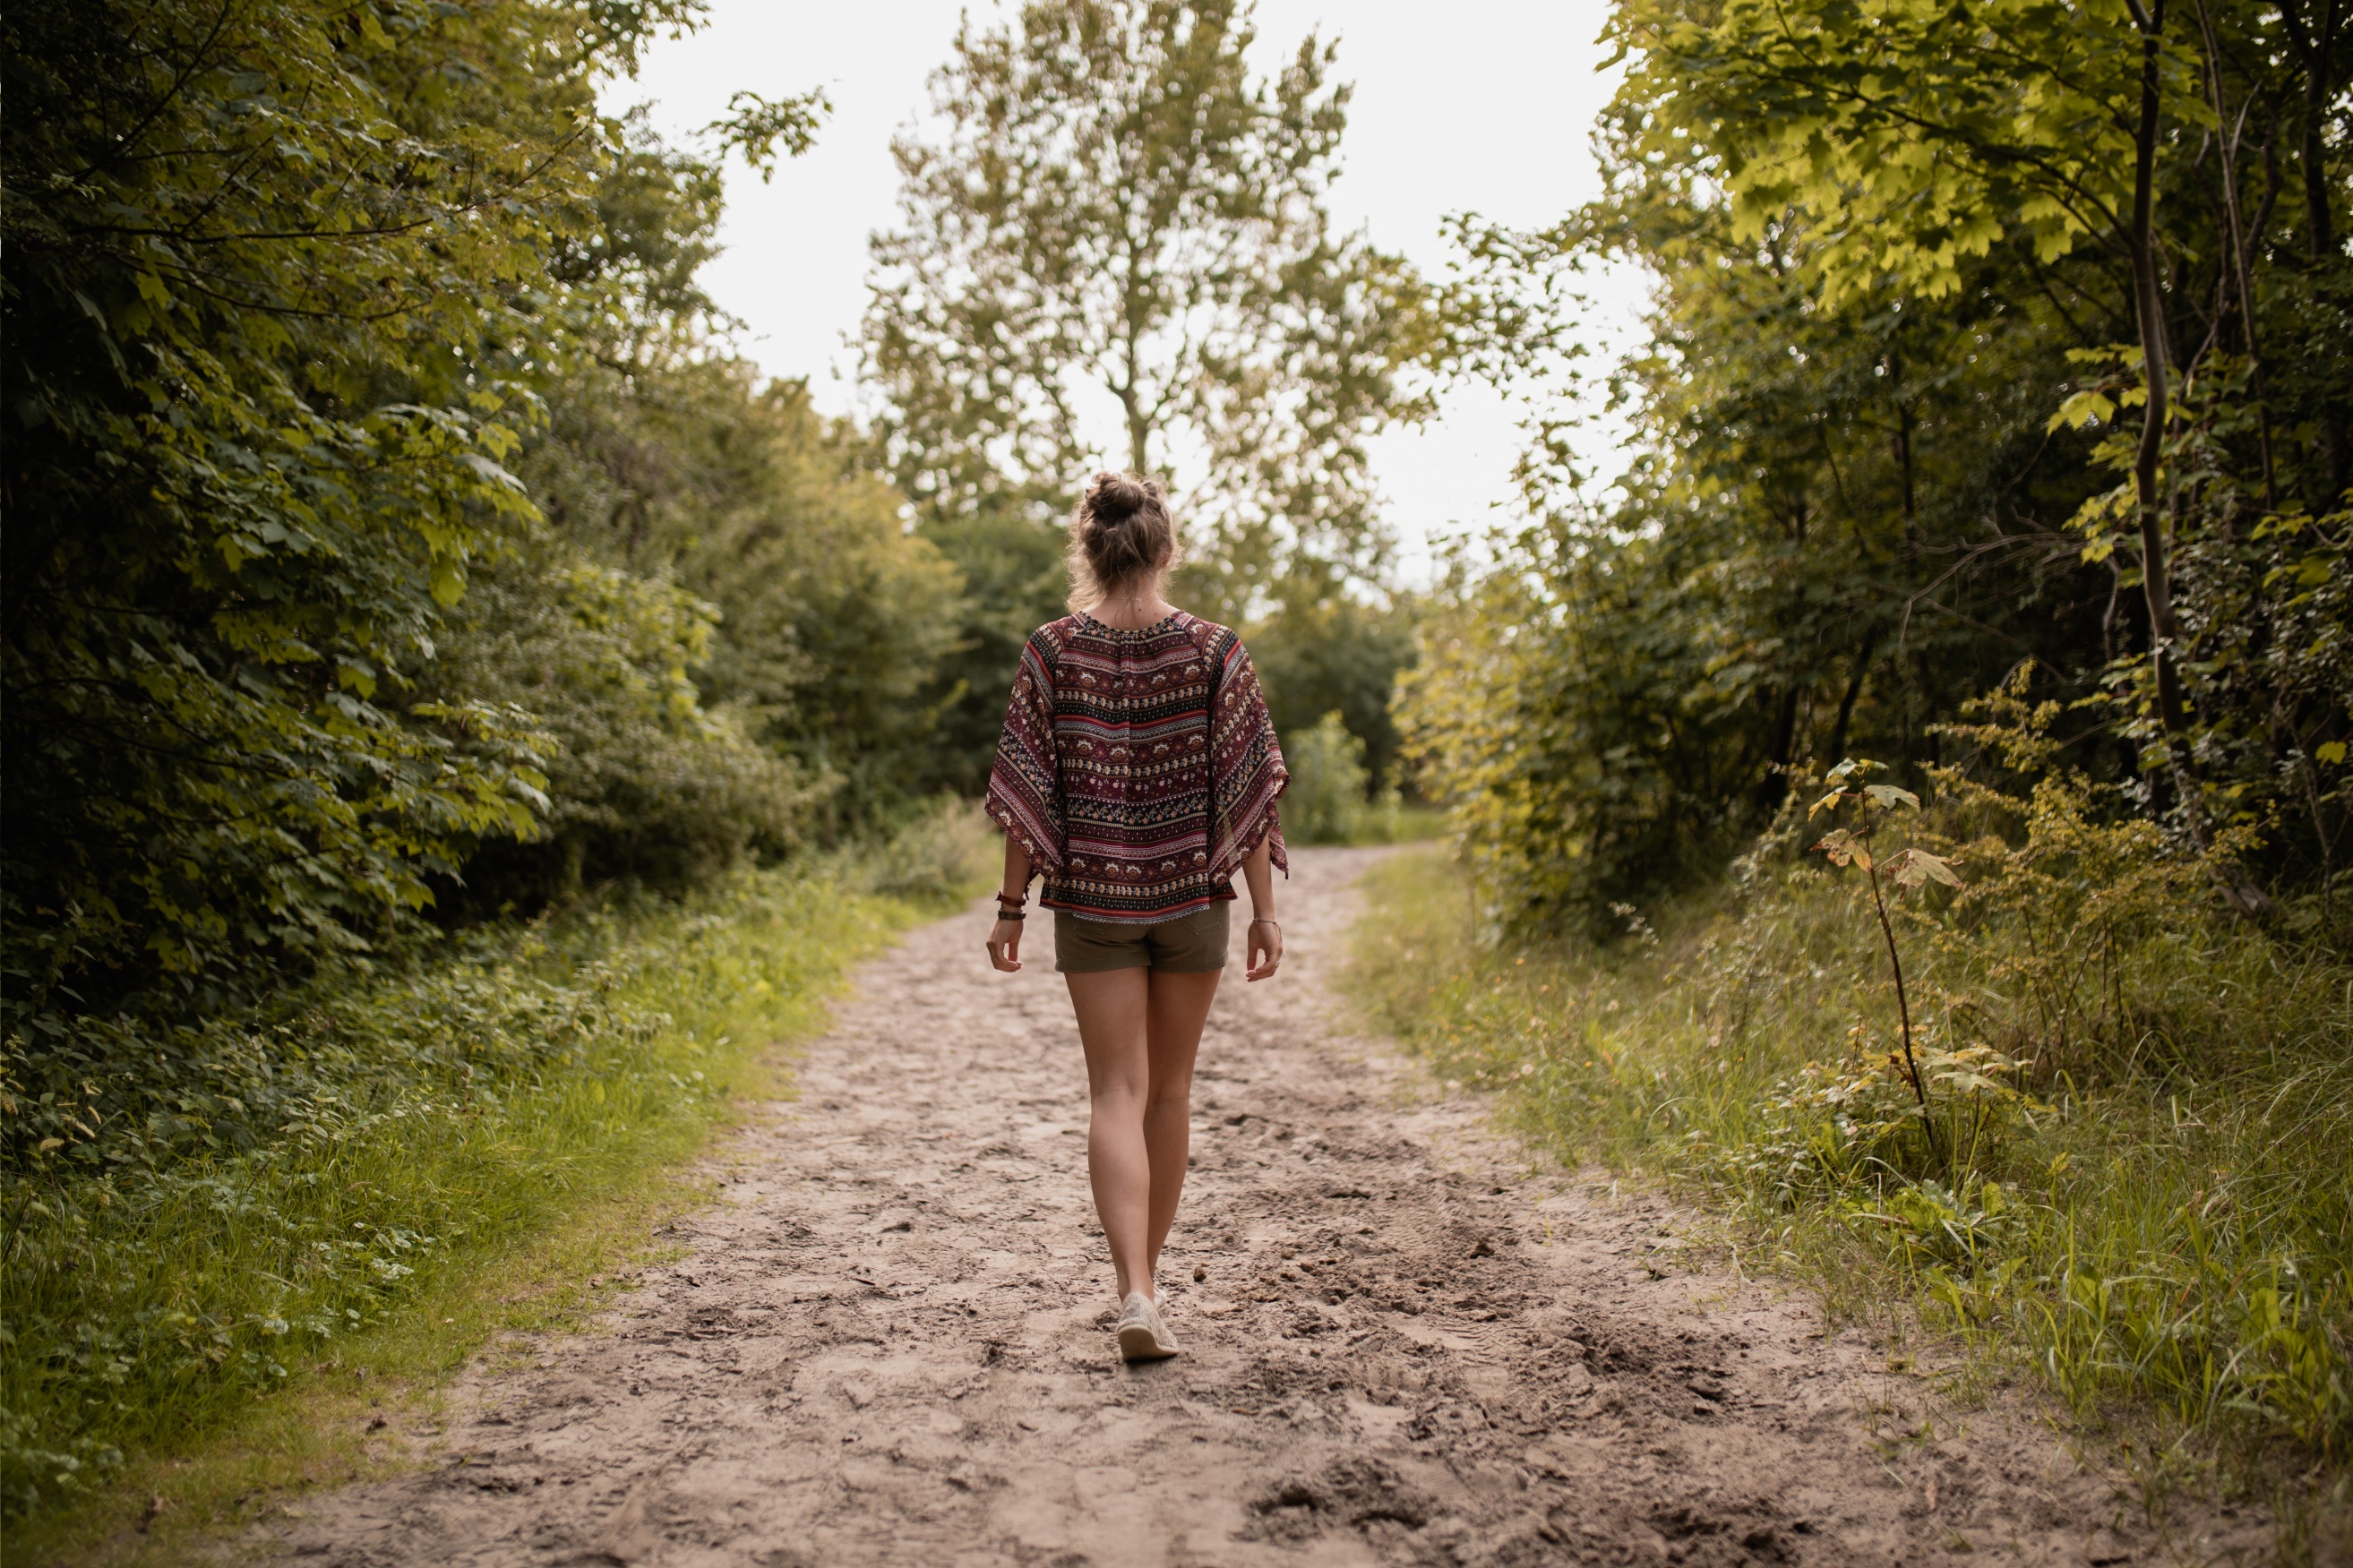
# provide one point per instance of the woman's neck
(1131, 608)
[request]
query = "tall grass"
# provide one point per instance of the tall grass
(2157, 1223)
(186, 1235)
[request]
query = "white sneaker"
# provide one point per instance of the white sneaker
(1142, 1335)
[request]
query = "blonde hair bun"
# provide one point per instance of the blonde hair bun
(1113, 497)
(1121, 529)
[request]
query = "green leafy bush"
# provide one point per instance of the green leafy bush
(262, 266)
(1317, 656)
(1563, 714)
(830, 617)
(943, 851)
(1327, 801)
(645, 781)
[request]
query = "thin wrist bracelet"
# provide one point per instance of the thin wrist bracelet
(1006, 914)
(1266, 921)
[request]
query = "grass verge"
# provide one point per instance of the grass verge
(2163, 1233)
(485, 1145)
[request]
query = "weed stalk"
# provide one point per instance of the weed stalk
(1903, 1016)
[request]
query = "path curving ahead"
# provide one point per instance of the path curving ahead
(891, 1341)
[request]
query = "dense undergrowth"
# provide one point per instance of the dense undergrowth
(2136, 1187)
(193, 1229)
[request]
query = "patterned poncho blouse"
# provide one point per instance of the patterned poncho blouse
(1138, 768)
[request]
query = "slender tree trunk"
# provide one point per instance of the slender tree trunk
(1853, 690)
(1904, 462)
(1131, 404)
(2319, 220)
(2316, 51)
(2157, 580)
(2148, 312)
(1775, 784)
(2318, 86)
(2238, 250)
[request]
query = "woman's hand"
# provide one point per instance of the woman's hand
(1004, 936)
(1265, 948)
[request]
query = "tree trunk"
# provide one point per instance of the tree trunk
(1131, 401)
(1854, 692)
(1774, 786)
(2316, 46)
(2156, 575)
(2316, 49)
(2243, 286)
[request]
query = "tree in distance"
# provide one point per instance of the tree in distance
(1115, 217)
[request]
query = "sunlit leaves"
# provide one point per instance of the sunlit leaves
(1908, 868)
(1841, 847)
(1914, 869)
(1917, 133)
(757, 127)
(1886, 404)
(1885, 797)
(2089, 406)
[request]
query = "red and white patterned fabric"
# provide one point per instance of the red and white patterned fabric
(1139, 768)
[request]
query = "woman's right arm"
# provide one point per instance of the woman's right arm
(1025, 791)
(1004, 936)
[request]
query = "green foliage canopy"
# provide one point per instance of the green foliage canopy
(312, 309)
(1912, 261)
(267, 268)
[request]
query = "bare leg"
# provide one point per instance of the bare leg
(1111, 1009)
(1140, 1031)
(1179, 1008)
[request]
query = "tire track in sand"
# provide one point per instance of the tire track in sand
(890, 1341)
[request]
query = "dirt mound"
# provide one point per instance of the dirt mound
(890, 1343)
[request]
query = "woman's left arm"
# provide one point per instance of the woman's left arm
(1265, 945)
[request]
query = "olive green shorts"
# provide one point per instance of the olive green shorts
(1189, 944)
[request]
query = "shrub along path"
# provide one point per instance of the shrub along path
(890, 1342)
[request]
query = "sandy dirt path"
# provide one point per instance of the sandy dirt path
(890, 1342)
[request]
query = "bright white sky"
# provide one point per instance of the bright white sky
(1477, 105)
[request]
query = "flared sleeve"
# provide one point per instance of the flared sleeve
(1246, 768)
(1025, 793)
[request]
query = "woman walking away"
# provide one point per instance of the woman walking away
(1138, 772)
